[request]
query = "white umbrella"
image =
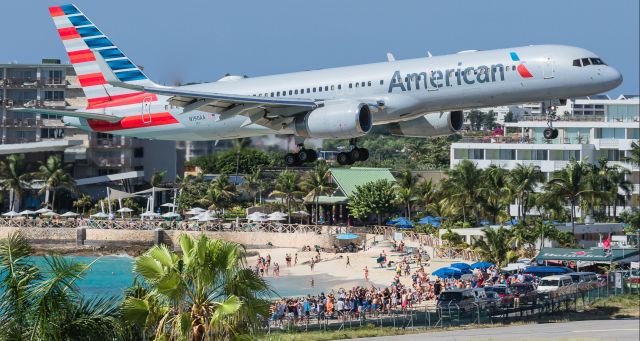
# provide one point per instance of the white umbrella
(99, 215)
(27, 212)
(125, 210)
(277, 218)
(195, 211)
(43, 210)
(301, 213)
(150, 214)
(171, 215)
(256, 214)
(11, 214)
(50, 214)
(206, 217)
(259, 219)
(169, 205)
(69, 214)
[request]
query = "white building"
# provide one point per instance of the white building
(589, 129)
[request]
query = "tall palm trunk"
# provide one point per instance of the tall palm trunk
(573, 217)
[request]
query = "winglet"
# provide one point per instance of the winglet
(390, 57)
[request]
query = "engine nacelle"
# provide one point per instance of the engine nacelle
(338, 120)
(429, 125)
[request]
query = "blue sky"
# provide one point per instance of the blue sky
(202, 40)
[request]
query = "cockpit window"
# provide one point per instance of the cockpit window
(597, 61)
(576, 62)
(585, 62)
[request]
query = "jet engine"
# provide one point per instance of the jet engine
(338, 120)
(429, 125)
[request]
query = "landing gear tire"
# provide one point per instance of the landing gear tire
(305, 155)
(344, 158)
(356, 154)
(550, 133)
(291, 160)
(364, 154)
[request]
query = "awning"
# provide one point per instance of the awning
(585, 255)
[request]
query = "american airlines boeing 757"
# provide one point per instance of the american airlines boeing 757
(421, 97)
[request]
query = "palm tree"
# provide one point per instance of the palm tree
(494, 246)
(239, 145)
(82, 202)
(220, 192)
(55, 175)
(14, 176)
(287, 188)
(427, 193)
(253, 182)
(633, 156)
(45, 303)
(205, 293)
(406, 179)
(317, 182)
(157, 178)
(522, 181)
(495, 192)
(405, 197)
(461, 185)
(570, 183)
(617, 177)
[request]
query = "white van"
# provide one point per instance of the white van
(554, 283)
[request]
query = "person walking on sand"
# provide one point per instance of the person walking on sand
(366, 273)
(348, 262)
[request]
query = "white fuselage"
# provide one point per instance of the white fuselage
(407, 89)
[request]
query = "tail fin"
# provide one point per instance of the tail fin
(84, 42)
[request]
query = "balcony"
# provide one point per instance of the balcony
(54, 103)
(22, 83)
(20, 122)
(110, 143)
(571, 118)
(54, 82)
(108, 161)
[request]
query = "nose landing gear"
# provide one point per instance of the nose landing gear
(550, 132)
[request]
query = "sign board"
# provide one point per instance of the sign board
(397, 236)
(618, 280)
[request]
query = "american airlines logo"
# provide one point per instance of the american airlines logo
(436, 79)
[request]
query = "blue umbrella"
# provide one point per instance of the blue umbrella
(461, 266)
(481, 265)
(511, 222)
(393, 221)
(403, 223)
(447, 272)
(346, 236)
(484, 223)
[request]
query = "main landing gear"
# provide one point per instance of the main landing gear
(302, 156)
(354, 154)
(550, 132)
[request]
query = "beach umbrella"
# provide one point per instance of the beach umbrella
(259, 219)
(69, 214)
(277, 215)
(206, 217)
(169, 205)
(392, 221)
(461, 266)
(346, 236)
(195, 211)
(447, 272)
(171, 215)
(43, 210)
(51, 214)
(150, 214)
(403, 223)
(301, 213)
(125, 210)
(481, 265)
(99, 215)
(11, 214)
(27, 212)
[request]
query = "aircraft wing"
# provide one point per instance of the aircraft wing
(79, 114)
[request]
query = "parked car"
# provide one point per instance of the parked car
(462, 299)
(481, 297)
(525, 292)
(506, 296)
(584, 280)
(555, 285)
(493, 300)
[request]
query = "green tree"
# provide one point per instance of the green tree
(55, 176)
(15, 177)
(617, 177)
(220, 193)
(489, 120)
(191, 192)
(376, 197)
(475, 119)
(509, 117)
(494, 246)
(317, 182)
(522, 181)
(570, 184)
(453, 239)
(287, 187)
(82, 203)
(44, 303)
(157, 178)
(461, 186)
(495, 193)
(253, 183)
(205, 293)
(633, 156)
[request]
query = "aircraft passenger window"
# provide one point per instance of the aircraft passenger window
(369, 83)
(381, 82)
(314, 89)
(576, 62)
(291, 92)
(308, 90)
(332, 88)
(272, 94)
(339, 86)
(357, 85)
(296, 92)
(319, 89)
(350, 85)
(362, 84)
(326, 88)
(585, 61)
(278, 94)
(284, 93)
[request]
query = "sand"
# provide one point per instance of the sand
(332, 273)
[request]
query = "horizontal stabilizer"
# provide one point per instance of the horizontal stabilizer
(79, 114)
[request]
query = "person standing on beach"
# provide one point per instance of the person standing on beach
(366, 273)
(348, 262)
(295, 262)
(312, 263)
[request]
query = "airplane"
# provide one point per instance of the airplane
(421, 97)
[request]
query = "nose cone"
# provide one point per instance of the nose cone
(612, 78)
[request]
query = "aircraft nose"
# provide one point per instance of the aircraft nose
(613, 77)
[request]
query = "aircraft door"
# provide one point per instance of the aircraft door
(548, 69)
(146, 110)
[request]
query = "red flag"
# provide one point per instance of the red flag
(606, 244)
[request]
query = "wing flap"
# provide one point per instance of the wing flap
(79, 114)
